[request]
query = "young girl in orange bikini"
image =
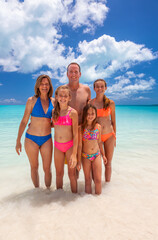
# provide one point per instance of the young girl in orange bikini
(90, 148)
(106, 118)
(65, 120)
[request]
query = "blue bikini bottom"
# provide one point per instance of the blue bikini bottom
(39, 140)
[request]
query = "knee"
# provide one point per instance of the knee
(97, 180)
(87, 180)
(72, 174)
(47, 170)
(108, 165)
(60, 173)
(34, 169)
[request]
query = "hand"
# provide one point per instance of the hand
(105, 160)
(73, 161)
(18, 147)
(78, 166)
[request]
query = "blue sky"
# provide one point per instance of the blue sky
(115, 40)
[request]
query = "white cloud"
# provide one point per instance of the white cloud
(140, 98)
(9, 101)
(30, 36)
(104, 56)
(124, 87)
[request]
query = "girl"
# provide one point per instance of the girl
(90, 148)
(38, 135)
(65, 121)
(106, 118)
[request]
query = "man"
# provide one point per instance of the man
(80, 93)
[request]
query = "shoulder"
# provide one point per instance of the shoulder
(52, 100)
(31, 101)
(73, 112)
(98, 126)
(91, 101)
(84, 86)
(112, 104)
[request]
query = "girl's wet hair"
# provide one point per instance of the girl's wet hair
(37, 85)
(84, 116)
(106, 101)
(56, 112)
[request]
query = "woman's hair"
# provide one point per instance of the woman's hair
(106, 101)
(38, 82)
(84, 116)
(56, 112)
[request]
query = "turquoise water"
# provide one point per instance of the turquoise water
(137, 130)
(126, 209)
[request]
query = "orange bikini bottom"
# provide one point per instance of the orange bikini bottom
(104, 137)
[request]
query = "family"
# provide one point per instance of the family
(84, 131)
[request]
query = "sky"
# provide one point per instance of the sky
(115, 40)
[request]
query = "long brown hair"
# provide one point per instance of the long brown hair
(56, 112)
(38, 82)
(84, 116)
(106, 101)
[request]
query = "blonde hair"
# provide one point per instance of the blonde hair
(106, 101)
(56, 112)
(38, 82)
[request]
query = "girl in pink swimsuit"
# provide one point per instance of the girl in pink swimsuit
(106, 118)
(90, 148)
(65, 120)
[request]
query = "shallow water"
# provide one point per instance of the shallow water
(126, 209)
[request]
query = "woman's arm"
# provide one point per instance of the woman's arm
(23, 124)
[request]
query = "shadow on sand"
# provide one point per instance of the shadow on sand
(40, 196)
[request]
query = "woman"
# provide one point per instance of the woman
(38, 135)
(106, 118)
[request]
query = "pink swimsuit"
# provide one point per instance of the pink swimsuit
(64, 121)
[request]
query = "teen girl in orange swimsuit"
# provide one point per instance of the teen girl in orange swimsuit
(106, 118)
(65, 120)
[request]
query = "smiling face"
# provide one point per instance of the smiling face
(44, 86)
(91, 115)
(100, 87)
(63, 96)
(73, 73)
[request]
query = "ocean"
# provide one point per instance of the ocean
(127, 209)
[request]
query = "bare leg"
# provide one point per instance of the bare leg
(97, 172)
(32, 151)
(87, 166)
(59, 159)
(46, 154)
(71, 172)
(109, 150)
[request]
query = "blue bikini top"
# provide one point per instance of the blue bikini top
(38, 109)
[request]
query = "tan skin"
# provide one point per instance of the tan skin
(108, 125)
(65, 134)
(80, 94)
(38, 127)
(91, 147)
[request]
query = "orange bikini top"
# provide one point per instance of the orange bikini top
(102, 112)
